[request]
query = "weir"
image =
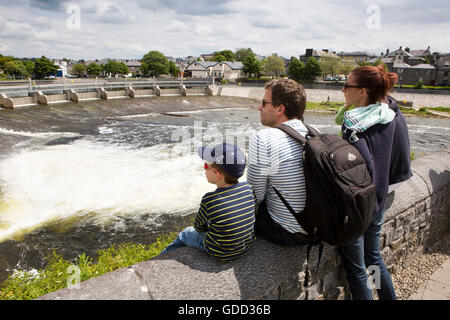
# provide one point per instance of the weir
(417, 216)
(16, 96)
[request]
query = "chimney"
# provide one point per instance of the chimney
(309, 52)
(326, 50)
(387, 51)
(407, 49)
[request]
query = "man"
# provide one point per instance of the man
(275, 159)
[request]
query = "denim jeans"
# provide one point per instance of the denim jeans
(365, 253)
(270, 230)
(188, 237)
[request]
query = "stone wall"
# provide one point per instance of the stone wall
(417, 216)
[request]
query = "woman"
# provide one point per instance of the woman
(376, 127)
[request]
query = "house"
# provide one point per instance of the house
(356, 56)
(443, 69)
(207, 57)
(222, 70)
(318, 54)
(134, 66)
(410, 68)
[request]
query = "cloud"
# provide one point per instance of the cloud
(189, 7)
(111, 13)
(49, 5)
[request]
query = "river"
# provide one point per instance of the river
(81, 177)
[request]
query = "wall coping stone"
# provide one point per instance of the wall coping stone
(268, 271)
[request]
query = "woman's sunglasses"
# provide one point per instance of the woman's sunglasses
(351, 86)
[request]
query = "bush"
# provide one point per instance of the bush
(418, 85)
(58, 273)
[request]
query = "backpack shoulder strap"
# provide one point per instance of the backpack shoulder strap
(292, 132)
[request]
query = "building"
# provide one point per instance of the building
(410, 68)
(356, 56)
(134, 66)
(443, 69)
(226, 70)
(318, 54)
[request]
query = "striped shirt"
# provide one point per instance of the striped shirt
(227, 215)
(275, 159)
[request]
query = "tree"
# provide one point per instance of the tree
(312, 68)
(43, 67)
(274, 65)
(296, 69)
(227, 54)
(114, 68)
(12, 68)
(346, 66)
(251, 66)
(329, 66)
(242, 54)
(94, 69)
(79, 69)
(154, 63)
(173, 69)
(219, 58)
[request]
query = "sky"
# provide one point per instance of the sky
(89, 29)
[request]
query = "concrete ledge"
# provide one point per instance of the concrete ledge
(41, 98)
(5, 102)
(417, 216)
(103, 94)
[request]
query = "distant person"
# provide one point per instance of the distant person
(275, 160)
(224, 225)
(376, 127)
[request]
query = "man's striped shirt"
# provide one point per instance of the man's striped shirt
(275, 159)
(227, 215)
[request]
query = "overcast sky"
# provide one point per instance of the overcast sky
(91, 29)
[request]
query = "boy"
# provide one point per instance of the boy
(224, 225)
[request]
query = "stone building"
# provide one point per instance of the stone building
(226, 70)
(356, 56)
(410, 68)
(443, 69)
(318, 54)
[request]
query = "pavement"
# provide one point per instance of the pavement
(437, 287)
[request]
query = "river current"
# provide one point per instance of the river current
(81, 177)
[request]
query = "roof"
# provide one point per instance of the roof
(356, 53)
(133, 63)
(399, 51)
(236, 65)
(401, 65)
(203, 65)
(423, 66)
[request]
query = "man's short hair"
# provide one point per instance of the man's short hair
(289, 93)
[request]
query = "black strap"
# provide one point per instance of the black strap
(284, 201)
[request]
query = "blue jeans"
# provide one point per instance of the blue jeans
(270, 230)
(188, 237)
(365, 253)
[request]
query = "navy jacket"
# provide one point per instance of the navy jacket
(385, 148)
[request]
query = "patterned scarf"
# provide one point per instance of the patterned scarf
(362, 118)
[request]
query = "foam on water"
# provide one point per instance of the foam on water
(65, 181)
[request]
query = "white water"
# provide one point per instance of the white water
(65, 181)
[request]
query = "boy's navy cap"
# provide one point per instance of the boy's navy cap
(228, 156)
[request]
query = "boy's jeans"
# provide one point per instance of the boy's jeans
(188, 237)
(365, 252)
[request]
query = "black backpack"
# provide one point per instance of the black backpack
(340, 195)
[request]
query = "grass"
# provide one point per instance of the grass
(329, 106)
(423, 87)
(60, 273)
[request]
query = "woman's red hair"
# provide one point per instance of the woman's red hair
(377, 81)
